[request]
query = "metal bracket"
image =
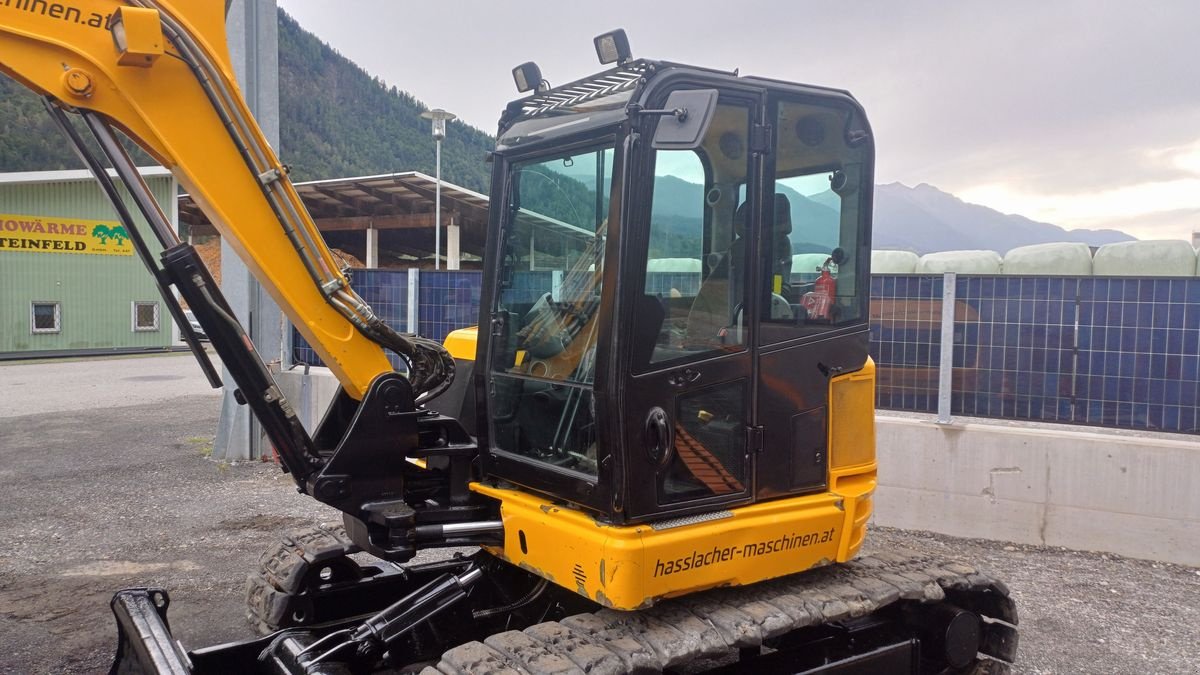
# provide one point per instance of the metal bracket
(762, 138)
(754, 439)
(332, 286)
(270, 176)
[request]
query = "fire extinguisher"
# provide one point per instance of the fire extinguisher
(819, 301)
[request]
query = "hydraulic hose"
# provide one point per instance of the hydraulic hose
(431, 369)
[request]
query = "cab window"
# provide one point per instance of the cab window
(543, 362)
(814, 234)
(695, 269)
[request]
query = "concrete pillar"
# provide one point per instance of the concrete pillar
(453, 253)
(252, 30)
(372, 260)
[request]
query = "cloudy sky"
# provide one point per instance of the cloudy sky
(1080, 113)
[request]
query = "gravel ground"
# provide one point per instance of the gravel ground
(100, 497)
(1082, 612)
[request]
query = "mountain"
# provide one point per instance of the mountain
(336, 120)
(921, 219)
(924, 219)
(815, 220)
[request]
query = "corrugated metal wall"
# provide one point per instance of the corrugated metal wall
(96, 292)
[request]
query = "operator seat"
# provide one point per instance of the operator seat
(781, 245)
(720, 295)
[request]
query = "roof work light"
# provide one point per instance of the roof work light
(527, 76)
(613, 47)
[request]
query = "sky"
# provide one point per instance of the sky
(1085, 114)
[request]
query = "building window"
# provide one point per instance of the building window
(145, 317)
(45, 317)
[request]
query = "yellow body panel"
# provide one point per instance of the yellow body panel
(461, 343)
(68, 53)
(852, 418)
(629, 567)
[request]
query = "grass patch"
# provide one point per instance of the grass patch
(203, 444)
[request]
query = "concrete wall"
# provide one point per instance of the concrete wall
(1124, 494)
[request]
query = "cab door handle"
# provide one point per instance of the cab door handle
(658, 437)
(684, 377)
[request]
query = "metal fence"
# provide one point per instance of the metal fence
(1100, 351)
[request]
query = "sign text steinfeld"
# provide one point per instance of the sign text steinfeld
(37, 234)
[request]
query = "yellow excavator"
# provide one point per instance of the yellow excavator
(660, 440)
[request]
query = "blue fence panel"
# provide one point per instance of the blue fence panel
(1100, 351)
(906, 313)
(1014, 347)
(447, 301)
(386, 291)
(1138, 353)
(527, 287)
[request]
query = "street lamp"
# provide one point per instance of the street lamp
(439, 118)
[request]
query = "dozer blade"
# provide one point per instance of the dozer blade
(144, 642)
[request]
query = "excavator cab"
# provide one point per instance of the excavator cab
(655, 346)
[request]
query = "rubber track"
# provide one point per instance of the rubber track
(714, 624)
(282, 569)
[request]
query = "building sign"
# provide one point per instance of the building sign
(36, 234)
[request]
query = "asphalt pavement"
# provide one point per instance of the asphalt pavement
(107, 484)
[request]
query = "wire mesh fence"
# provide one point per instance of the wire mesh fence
(1099, 351)
(1112, 352)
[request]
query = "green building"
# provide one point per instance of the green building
(70, 281)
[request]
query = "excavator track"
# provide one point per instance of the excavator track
(677, 634)
(286, 568)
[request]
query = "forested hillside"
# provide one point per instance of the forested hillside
(28, 139)
(335, 121)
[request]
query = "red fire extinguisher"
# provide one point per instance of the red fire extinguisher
(819, 301)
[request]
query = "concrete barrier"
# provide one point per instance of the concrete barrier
(310, 391)
(1082, 489)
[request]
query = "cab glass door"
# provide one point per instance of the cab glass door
(546, 315)
(687, 396)
(811, 289)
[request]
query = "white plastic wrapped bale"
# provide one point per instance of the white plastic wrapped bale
(962, 262)
(894, 262)
(673, 265)
(808, 263)
(1059, 259)
(1163, 258)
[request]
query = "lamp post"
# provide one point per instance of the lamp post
(439, 118)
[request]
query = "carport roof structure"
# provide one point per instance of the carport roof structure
(396, 201)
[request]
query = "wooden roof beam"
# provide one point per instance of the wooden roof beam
(399, 221)
(395, 199)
